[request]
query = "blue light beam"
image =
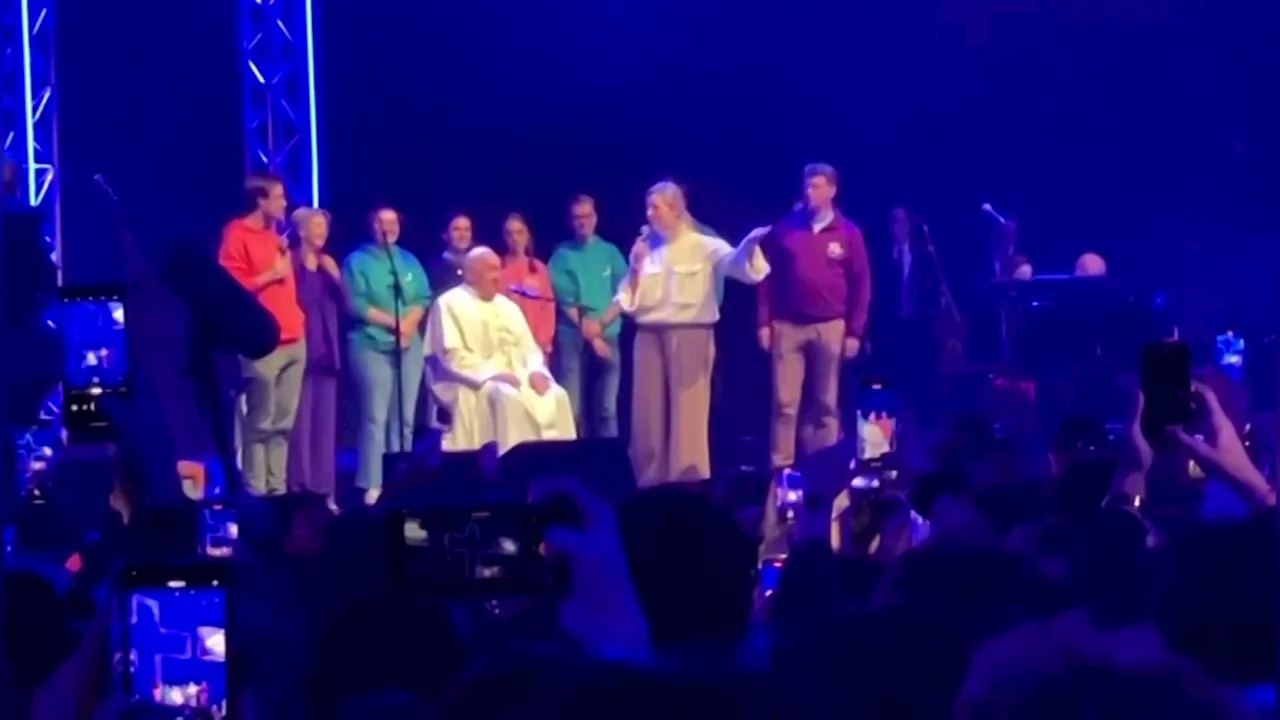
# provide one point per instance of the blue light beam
(28, 106)
(311, 105)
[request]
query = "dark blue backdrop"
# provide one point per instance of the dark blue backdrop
(1139, 129)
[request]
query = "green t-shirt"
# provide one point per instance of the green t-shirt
(366, 273)
(585, 275)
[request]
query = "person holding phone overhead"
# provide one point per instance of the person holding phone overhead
(526, 283)
(314, 445)
(670, 292)
(382, 279)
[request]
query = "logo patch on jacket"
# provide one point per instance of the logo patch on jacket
(835, 249)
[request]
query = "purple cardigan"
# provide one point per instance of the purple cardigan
(320, 297)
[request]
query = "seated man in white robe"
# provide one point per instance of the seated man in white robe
(485, 368)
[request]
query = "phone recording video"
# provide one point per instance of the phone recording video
(95, 362)
(169, 642)
(877, 424)
(219, 531)
(492, 552)
(1229, 353)
(1164, 376)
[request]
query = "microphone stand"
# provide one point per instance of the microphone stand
(397, 304)
(944, 291)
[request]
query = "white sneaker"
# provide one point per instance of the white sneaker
(371, 496)
(332, 504)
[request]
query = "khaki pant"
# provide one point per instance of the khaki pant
(806, 388)
(671, 404)
(273, 385)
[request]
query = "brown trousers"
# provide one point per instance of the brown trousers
(806, 388)
(671, 403)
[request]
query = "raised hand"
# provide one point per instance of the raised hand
(1143, 454)
(600, 610)
(1224, 452)
(758, 234)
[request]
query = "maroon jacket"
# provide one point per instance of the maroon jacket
(815, 277)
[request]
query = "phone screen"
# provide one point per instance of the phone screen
(877, 424)
(490, 552)
(95, 361)
(219, 531)
(1229, 352)
(1165, 379)
(169, 642)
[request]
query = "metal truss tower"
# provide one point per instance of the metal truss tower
(280, 93)
(28, 117)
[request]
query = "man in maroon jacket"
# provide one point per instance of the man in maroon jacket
(812, 310)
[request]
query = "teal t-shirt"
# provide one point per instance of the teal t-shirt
(586, 275)
(366, 273)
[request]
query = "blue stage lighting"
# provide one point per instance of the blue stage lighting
(279, 43)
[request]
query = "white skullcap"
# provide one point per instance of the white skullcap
(476, 253)
(1091, 265)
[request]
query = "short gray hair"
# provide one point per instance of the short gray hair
(303, 215)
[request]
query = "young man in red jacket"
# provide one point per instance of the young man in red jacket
(258, 257)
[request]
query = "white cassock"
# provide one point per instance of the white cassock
(469, 341)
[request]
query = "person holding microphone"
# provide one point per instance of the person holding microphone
(670, 293)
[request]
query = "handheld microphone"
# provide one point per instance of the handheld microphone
(986, 208)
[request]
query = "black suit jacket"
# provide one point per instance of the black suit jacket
(921, 292)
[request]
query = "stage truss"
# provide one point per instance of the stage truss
(280, 94)
(28, 116)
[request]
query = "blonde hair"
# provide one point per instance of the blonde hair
(673, 195)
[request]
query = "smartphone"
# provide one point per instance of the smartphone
(95, 362)
(219, 531)
(1164, 375)
(169, 641)
(877, 424)
(489, 552)
(1229, 352)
